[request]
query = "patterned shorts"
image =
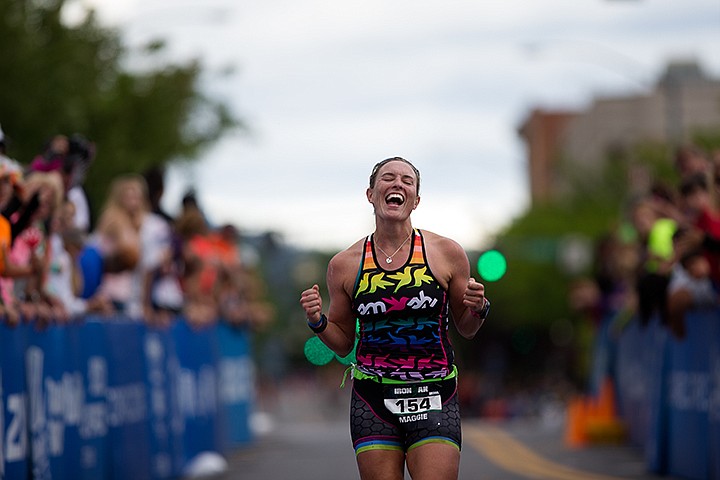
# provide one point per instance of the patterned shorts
(416, 421)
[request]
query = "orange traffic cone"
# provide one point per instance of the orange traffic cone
(575, 426)
(602, 424)
(606, 401)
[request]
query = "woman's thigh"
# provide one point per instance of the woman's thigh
(434, 461)
(381, 465)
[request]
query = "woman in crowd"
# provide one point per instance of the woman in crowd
(134, 242)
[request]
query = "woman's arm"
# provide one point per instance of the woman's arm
(337, 329)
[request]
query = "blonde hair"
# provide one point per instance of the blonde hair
(36, 181)
(114, 208)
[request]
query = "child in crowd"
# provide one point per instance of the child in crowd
(690, 288)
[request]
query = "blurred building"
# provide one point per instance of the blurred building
(684, 101)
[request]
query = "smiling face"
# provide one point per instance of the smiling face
(394, 190)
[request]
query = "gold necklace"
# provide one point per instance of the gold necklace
(389, 258)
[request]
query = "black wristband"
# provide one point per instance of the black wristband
(320, 326)
(484, 311)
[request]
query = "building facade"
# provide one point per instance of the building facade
(683, 102)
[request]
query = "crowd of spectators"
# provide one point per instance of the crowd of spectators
(663, 260)
(134, 262)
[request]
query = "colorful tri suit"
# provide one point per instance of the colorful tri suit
(404, 389)
(403, 318)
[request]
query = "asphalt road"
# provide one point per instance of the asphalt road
(517, 450)
(316, 446)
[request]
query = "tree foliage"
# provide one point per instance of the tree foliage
(60, 78)
(535, 288)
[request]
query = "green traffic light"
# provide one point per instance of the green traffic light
(492, 265)
(317, 352)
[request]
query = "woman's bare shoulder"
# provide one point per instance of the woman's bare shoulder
(348, 258)
(343, 267)
(444, 254)
(444, 244)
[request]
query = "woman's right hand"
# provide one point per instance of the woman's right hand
(311, 302)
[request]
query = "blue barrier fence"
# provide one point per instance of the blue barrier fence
(117, 400)
(668, 393)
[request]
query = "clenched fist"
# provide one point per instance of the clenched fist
(311, 302)
(474, 297)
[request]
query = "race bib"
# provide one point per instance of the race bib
(412, 402)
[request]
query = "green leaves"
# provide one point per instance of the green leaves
(69, 79)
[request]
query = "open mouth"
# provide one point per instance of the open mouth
(395, 199)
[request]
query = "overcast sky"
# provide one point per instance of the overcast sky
(329, 88)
